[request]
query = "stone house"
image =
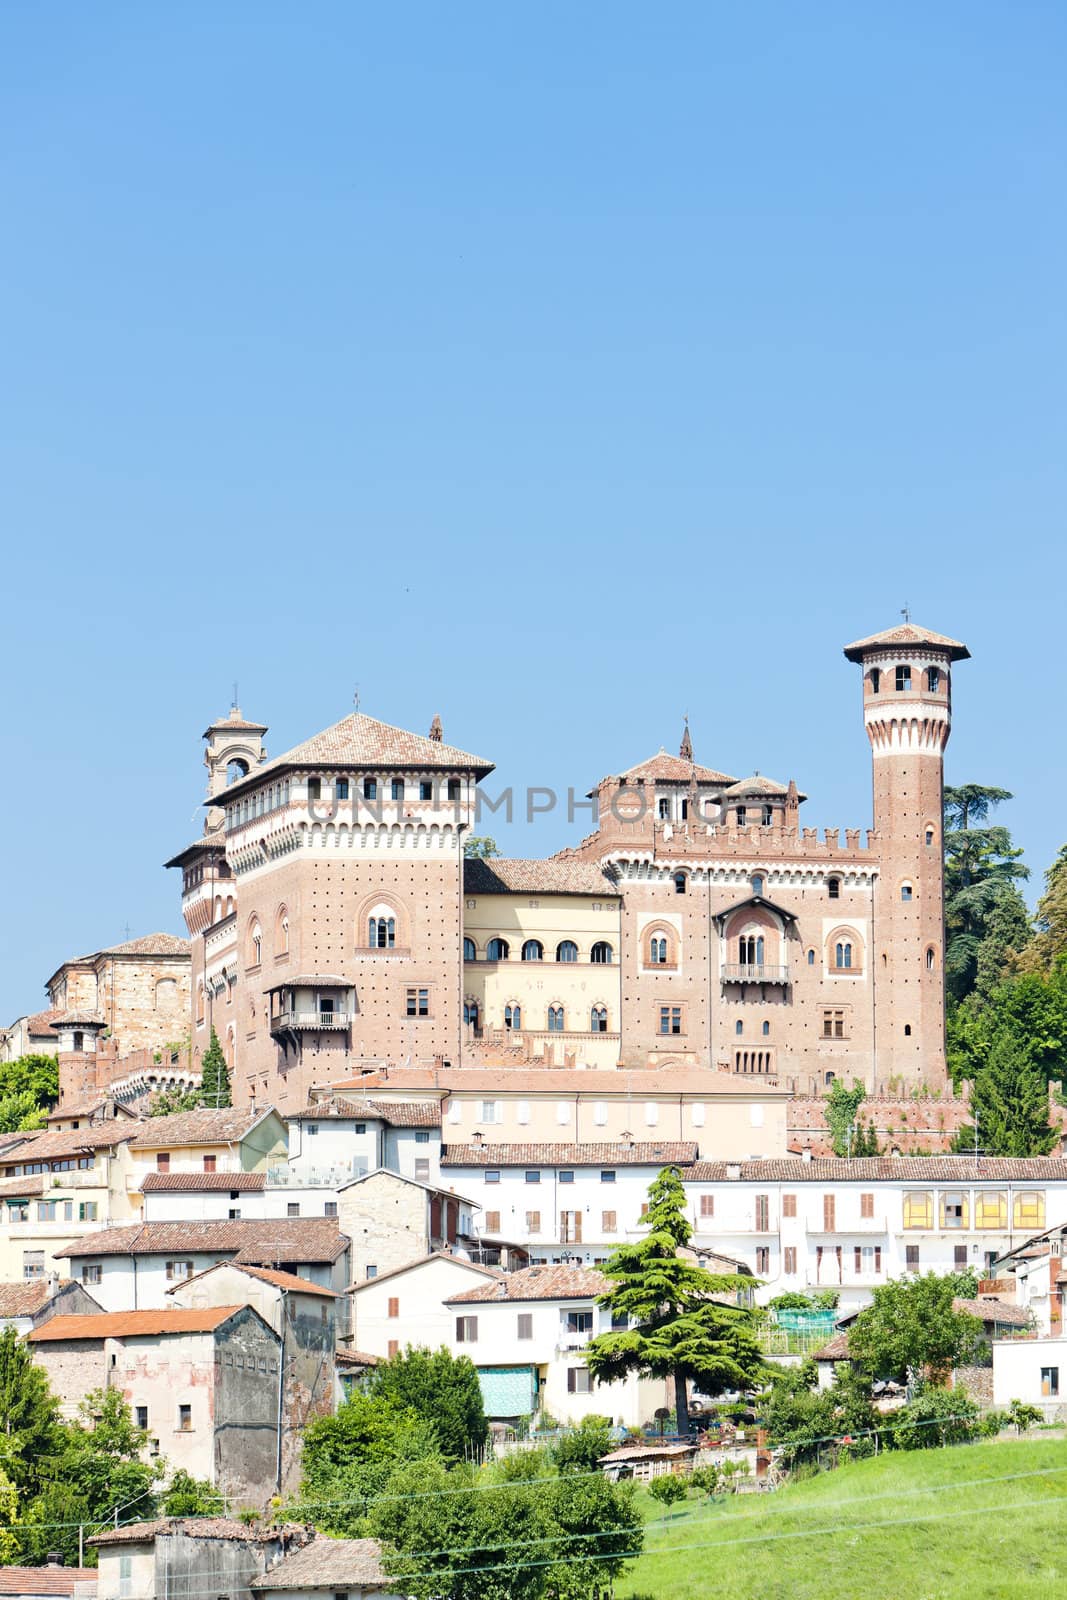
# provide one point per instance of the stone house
(204, 1383)
(392, 1220)
(326, 1569)
(140, 990)
(175, 1558)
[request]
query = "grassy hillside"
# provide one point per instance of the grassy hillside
(980, 1522)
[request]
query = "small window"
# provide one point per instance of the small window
(92, 1272)
(292, 1208)
(579, 1380)
(933, 679)
(876, 679)
(930, 959)
(382, 933)
(418, 1002)
(393, 1309)
(370, 788)
(757, 885)
(425, 789)
(663, 808)
(907, 1030)
(360, 1127)
(1050, 1382)
(452, 789)
(739, 1028)
(141, 1415)
(905, 891)
(903, 680)
(657, 951)
(469, 951)
(567, 950)
(466, 1330)
(598, 1019)
(789, 1205)
(680, 883)
(525, 1325)
(607, 1176)
(811, 958)
(533, 1222)
(833, 1024)
(707, 1205)
(185, 1419)
(763, 1260)
(492, 1176)
(422, 1136)
(833, 888)
(566, 1176)
(533, 1176)
(766, 1030)
(789, 1260)
(608, 1222)
(929, 836)
(330, 1208)
(314, 788)
(911, 1257)
(340, 788)
(741, 814)
(397, 788)
(422, 1171)
(670, 1019)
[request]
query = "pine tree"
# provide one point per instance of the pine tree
(1010, 1102)
(1050, 941)
(215, 1075)
(679, 1330)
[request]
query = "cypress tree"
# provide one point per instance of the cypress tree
(215, 1075)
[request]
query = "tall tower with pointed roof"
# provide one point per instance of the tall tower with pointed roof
(907, 711)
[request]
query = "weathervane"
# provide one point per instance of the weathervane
(905, 612)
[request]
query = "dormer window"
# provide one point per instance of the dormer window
(903, 680)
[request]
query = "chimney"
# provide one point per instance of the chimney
(805, 1154)
(54, 1558)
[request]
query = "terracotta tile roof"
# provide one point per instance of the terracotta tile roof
(991, 1310)
(41, 1023)
(362, 741)
(203, 1182)
(49, 1581)
(326, 1563)
(198, 1528)
(262, 1242)
(507, 1079)
(908, 634)
(835, 1349)
(233, 722)
(15, 1188)
(569, 1155)
(510, 875)
(397, 1113)
(283, 1280)
(355, 1358)
(903, 1169)
(664, 768)
(226, 1125)
(131, 1324)
(537, 1283)
(80, 1019)
(24, 1299)
(208, 841)
(73, 1141)
(153, 944)
(757, 784)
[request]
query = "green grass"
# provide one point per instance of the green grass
(954, 1529)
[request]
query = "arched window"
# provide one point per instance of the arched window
(829, 1078)
(470, 1013)
(497, 950)
(533, 950)
(513, 1016)
(766, 1030)
(930, 959)
(370, 788)
(811, 958)
(739, 1028)
(929, 836)
(903, 680)
(601, 955)
(679, 883)
(833, 888)
(907, 1030)
(281, 932)
(750, 950)
(757, 884)
(236, 770)
(567, 950)
(555, 1019)
(876, 679)
(469, 951)
(933, 679)
(598, 1019)
(905, 891)
(843, 955)
(382, 931)
(657, 950)
(255, 944)
(200, 1001)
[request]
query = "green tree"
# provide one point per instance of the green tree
(479, 847)
(168, 1101)
(1049, 943)
(348, 1458)
(682, 1327)
(912, 1329)
(934, 1417)
(668, 1489)
(804, 1420)
(1023, 1416)
(214, 1075)
(1009, 1103)
(9, 1517)
(848, 1135)
(33, 1074)
(187, 1496)
(30, 1433)
(20, 1112)
(580, 1448)
(441, 1388)
(593, 1529)
(985, 916)
(102, 1454)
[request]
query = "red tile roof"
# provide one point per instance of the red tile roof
(663, 768)
(907, 634)
(537, 1283)
(569, 1155)
(59, 1581)
(355, 1358)
(132, 1324)
(16, 1188)
(282, 1280)
(202, 1182)
(362, 741)
(262, 1242)
(903, 1169)
(72, 1141)
(24, 1299)
(40, 1023)
(506, 1079)
(511, 875)
(226, 1125)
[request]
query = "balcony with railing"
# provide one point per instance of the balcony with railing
(754, 972)
(306, 1020)
(283, 1176)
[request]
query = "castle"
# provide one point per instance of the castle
(336, 924)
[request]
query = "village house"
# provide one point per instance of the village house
(525, 1333)
(391, 1220)
(410, 1304)
(132, 1267)
(204, 1383)
(1035, 1267)
(179, 1558)
(56, 1188)
(303, 1315)
(27, 1304)
(338, 1139)
(229, 1139)
(1033, 1371)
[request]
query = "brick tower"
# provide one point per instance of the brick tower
(907, 711)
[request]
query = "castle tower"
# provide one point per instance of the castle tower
(907, 711)
(78, 1034)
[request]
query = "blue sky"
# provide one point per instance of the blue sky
(557, 369)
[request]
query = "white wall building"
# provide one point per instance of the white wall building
(1031, 1370)
(410, 1305)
